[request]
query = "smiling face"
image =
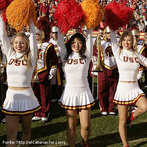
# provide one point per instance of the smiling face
(76, 45)
(19, 44)
(127, 42)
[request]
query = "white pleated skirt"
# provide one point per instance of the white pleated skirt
(20, 102)
(77, 98)
(127, 93)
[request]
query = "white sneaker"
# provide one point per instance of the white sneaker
(35, 118)
(3, 120)
(104, 113)
(112, 113)
(44, 119)
(133, 109)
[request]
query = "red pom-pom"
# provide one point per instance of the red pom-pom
(68, 14)
(4, 17)
(117, 15)
(3, 4)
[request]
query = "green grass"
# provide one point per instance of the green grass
(104, 130)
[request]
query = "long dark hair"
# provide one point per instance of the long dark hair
(68, 45)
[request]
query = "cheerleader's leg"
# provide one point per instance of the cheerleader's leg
(123, 114)
(85, 124)
(142, 106)
(71, 126)
(26, 127)
(12, 129)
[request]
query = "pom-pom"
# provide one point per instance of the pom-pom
(3, 4)
(68, 14)
(93, 13)
(20, 13)
(4, 17)
(117, 15)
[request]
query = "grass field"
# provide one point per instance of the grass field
(104, 130)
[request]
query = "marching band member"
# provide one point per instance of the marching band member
(57, 81)
(46, 70)
(108, 77)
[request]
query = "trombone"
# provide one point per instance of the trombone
(98, 46)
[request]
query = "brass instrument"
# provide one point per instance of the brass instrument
(98, 45)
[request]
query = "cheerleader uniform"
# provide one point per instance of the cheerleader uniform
(77, 94)
(128, 63)
(19, 74)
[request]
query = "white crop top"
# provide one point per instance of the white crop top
(76, 68)
(128, 62)
(18, 73)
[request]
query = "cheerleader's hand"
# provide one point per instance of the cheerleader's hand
(52, 73)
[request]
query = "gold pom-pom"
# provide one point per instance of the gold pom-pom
(93, 13)
(20, 12)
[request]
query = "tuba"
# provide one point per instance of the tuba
(98, 46)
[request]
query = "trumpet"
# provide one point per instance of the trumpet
(98, 45)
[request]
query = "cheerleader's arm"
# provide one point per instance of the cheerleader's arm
(115, 48)
(33, 43)
(141, 59)
(6, 46)
(61, 46)
(89, 44)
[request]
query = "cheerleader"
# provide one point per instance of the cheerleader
(20, 101)
(128, 92)
(77, 97)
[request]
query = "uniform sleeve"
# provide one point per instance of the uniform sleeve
(89, 44)
(53, 57)
(6, 46)
(115, 48)
(61, 46)
(141, 59)
(33, 44)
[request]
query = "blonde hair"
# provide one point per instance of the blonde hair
(27, 52)
(134, 41)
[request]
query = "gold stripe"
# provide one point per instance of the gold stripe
(142, 50)
(127, 81)
(110, 68)
(77, 107)
(58, 77)
(45, 67)
(54, 66)
(130, 102)
(21, 113)
(141, 68)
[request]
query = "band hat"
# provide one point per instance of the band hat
(84, 28)
(135, 32)
(54, 29)
(107, 30)
(38, 31)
